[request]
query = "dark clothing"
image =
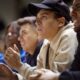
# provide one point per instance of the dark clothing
(32, 59)
(70, 75)
(74, 72)
(76, 63)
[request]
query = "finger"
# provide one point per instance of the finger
(35, 75)
(43, 70)
(8, 56)
(40, 71)
(11, 52)
(16, 48)
(8, 51)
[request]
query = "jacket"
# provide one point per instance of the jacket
(61, 52)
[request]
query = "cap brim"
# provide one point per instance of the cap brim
(34, 8)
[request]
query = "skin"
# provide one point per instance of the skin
(28, 38)
(12, 36)
(47, 74)
(44, 74)
(48, 25)
(26, 33)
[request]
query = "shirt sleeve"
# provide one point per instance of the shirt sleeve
(25, 70)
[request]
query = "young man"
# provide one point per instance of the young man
(53, 24)
(74, 72)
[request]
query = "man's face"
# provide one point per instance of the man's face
(76, 14)
(47, 24)
(11, 37)
(27, 37)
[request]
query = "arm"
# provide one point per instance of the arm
(44, 74)
(13, 59)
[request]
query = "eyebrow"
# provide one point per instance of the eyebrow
(45, 12)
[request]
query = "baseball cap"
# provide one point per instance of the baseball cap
(55, 5)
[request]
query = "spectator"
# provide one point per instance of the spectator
(29, 39)
(53, 23)
(74, 72)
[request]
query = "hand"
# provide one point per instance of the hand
(12, 57)
(6, 73)
(44, 74)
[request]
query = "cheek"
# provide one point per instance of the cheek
(26, 40)
(46, 27)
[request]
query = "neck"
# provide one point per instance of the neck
(50, 38)
(53, 34)
(32, 49)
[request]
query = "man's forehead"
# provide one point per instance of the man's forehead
(44, 12)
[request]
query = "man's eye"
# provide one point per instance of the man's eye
(24, 32)
(44, 17)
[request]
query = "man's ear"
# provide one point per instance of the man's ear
(61, 22)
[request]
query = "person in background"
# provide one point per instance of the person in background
(11, 38)
(29, 40)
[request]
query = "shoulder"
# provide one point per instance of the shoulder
(69, 31)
